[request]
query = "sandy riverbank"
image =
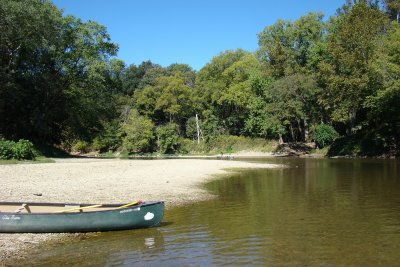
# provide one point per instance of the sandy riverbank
(176, 181)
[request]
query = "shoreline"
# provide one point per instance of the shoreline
(93, 180)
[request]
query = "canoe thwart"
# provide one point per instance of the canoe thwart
(23, 207)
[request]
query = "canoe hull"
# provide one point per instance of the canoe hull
(140, 216)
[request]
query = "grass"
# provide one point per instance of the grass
(36, 161)
(230, 144)
(220, 144)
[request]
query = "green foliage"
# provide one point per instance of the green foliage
(110, 138)
(363, 145)
(287, 47)
(288, 102)
(392, 8)
(290, 105)
(184, 145)
(81, 146)
(133, 77)
(324, 135)
(227, 144)
(167, 139)
(262, 122)
(191, 128)
(139, 136)
(347, 74)
(59, 84)
(384, 108)
(23, 149)
(210, 126)
(55, 75)
(169, 99)
(224, 87)
(6, 149)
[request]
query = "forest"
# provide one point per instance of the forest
(334, 81)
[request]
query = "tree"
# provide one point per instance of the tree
(324, 135)
(114, 76)
(309, 35)
(191, 128)
(167, 138)
(286, 47)
(139, 136)
(262, 122)
(187, 73)
(30, 98)
(383, 107)
(223, 86)
(54, 73)
(110, 138)
(151, 75)
(392, 8)
(347, 74)
(275, 43)
(293, 101)
(175, 98)
(133, 76)
(168, 100)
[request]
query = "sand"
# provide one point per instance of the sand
(176, 181)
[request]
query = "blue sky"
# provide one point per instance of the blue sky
(185, 31)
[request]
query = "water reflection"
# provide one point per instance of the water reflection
(315, 212)
(102, 249)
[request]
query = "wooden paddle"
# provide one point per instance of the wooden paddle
(79, 208)
(130, 204)
(99, 205)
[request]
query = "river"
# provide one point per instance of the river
(313, 212)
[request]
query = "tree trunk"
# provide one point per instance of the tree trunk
(300, 130)
(353, 117)
(198, 129)
(306, 135)
(292, 133)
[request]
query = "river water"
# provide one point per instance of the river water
(313, 212)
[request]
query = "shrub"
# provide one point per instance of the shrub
(211, 127)
(23, 149)
(324, 135)
(138, 132)
(191, 128)
(6, 149)
(81, 146)
(184, 145)
(109, 139)
(167, 139)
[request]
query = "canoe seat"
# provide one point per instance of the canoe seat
(23, 207)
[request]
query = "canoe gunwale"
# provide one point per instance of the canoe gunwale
(143, 204)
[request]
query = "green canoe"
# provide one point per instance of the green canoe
(18, 217)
